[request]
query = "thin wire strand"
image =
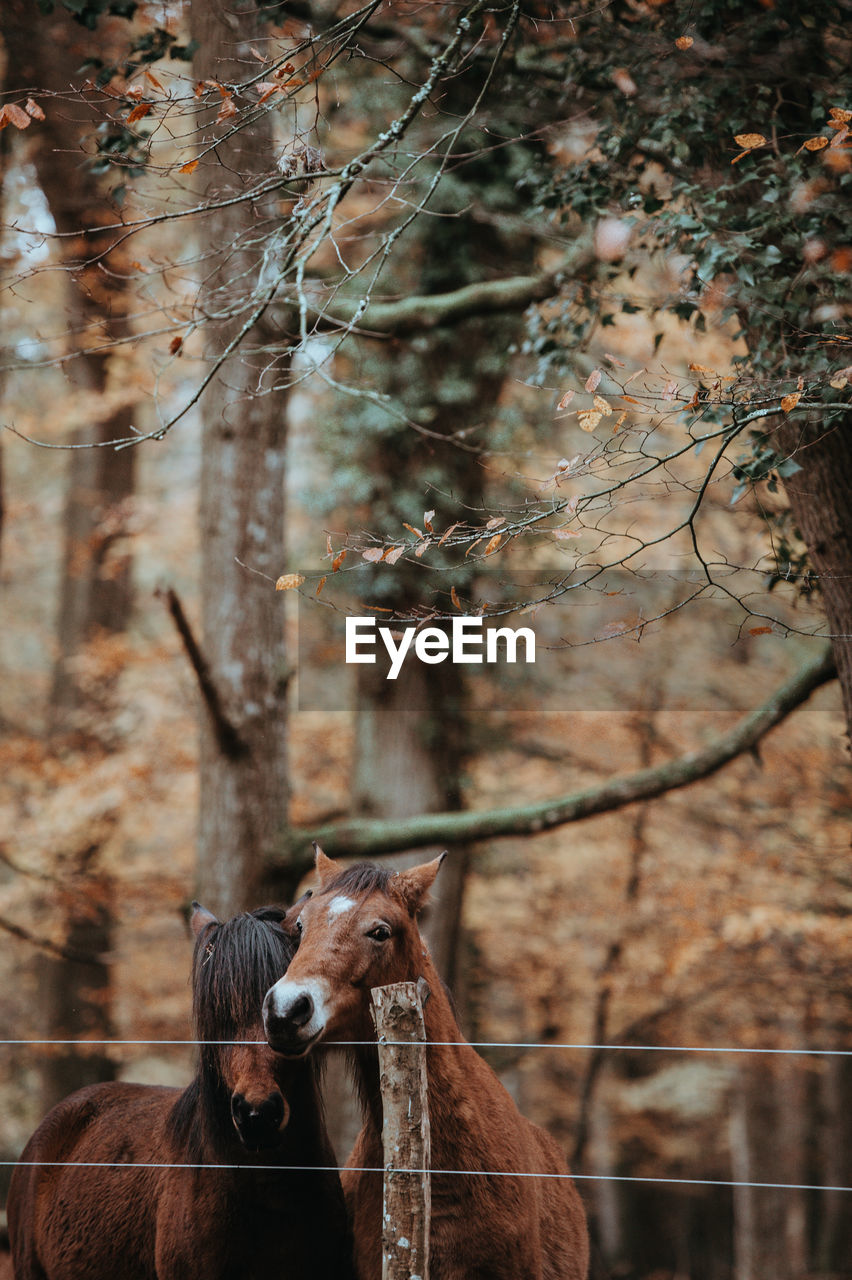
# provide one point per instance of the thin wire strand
(473, 1044)
(456, 1173)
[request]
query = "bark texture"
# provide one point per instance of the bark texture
(820, 497)
(96, 590)
(243, 790)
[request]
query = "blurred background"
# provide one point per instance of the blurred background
(543, 355)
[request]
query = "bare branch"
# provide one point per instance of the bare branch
(227, 736)
(52, 948)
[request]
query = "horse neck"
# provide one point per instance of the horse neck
(447, 1058)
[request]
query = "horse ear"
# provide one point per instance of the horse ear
(414, 885)
(201, 919)
(326, 868)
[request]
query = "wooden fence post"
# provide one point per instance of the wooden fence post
(406, 1209)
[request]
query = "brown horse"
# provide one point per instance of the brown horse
(360, 931)
(228, 1180)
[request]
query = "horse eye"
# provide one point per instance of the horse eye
(381, 933)
(299, 925)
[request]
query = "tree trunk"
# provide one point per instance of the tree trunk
(96, 591)
(244, 784)
(820, 497)
(76, 993)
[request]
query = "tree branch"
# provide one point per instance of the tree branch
(423, 312)
(52, 948)
(428, 311)
(371, 837)
(227, 736)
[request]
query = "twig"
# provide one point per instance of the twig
(227, 735)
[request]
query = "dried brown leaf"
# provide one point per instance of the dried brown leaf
(566, 400)
(454, 596)
(189, 167)
(139, 112)
(338, 560)
(623, 81)
(33, 109)
(288, 581)
(789, 402)
(373, 554)
(588, 419)
(684, 42)
(493, 544)
(320, 585)
(593, 380)
(11, 113)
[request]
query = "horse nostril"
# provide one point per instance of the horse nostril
(240, 1110)
(301, 1011)
(259, 1124)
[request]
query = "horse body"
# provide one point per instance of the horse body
(94, 1195)
(360, 932)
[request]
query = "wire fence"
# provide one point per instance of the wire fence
(432, 1171)
(473, 1044)
(473, 1173)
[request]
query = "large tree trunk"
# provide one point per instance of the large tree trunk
(96, 595)
(820, 497)
(243, 778)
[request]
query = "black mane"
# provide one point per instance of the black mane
(363, 878)
(233, 967)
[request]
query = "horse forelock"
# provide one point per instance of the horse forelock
(234, 965)
(359, 880)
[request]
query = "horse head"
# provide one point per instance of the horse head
(357, 932)
(233, 966)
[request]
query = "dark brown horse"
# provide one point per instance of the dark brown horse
(360, 931)
(227, 1180)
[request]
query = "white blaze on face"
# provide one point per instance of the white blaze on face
(339, 905)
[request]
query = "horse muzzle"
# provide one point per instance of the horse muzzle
(293, 1017)
(259, 1123)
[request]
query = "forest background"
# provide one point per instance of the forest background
(538, 313)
